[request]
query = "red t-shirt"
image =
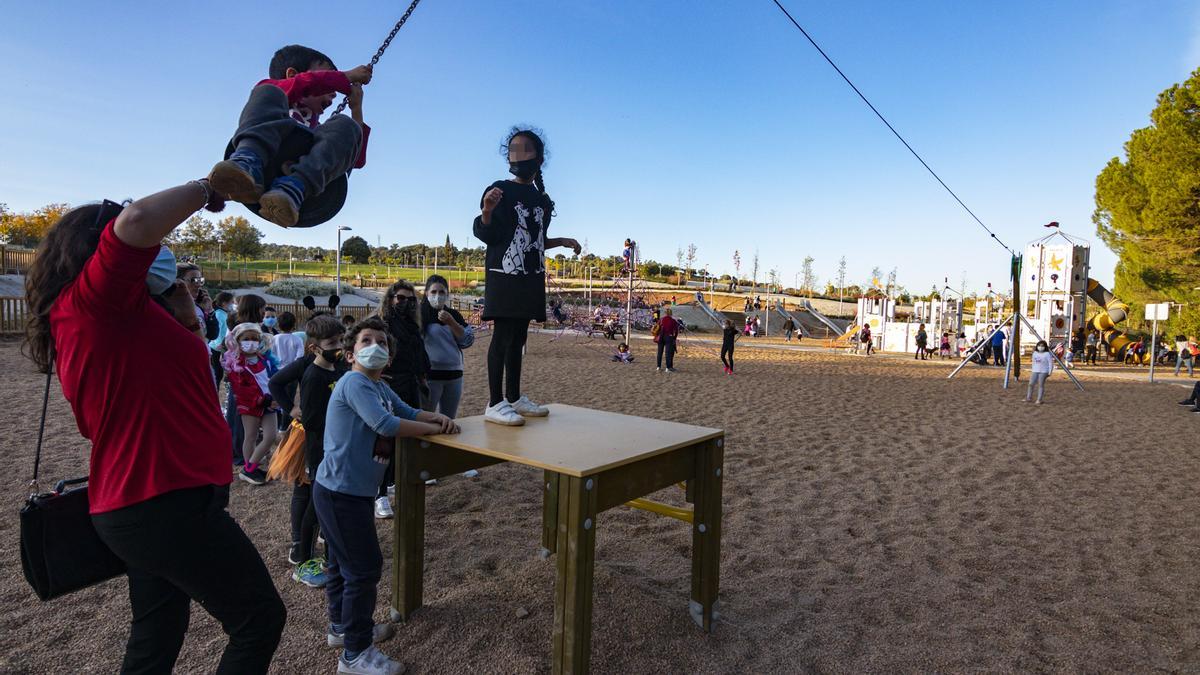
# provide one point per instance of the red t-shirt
(139, 383)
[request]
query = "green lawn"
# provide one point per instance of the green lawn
(349, 270)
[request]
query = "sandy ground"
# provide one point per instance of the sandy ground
(877, 518)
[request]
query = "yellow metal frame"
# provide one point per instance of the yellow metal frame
(675, 512)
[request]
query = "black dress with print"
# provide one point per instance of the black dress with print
(516, 253)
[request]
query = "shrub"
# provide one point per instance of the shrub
(297, 288)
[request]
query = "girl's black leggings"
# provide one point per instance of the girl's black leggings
(727, 356)
(504, 356)
(304, 520)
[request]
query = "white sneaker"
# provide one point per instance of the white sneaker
(658, 370)
(470, 473)
(527, 408)
(380, 633)
(370, 662)
(383, 508)
(503, 413)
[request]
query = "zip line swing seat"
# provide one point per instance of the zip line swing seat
(322, 207)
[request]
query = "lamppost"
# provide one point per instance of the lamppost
(338, 265)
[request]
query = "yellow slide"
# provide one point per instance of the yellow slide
(1106, 321)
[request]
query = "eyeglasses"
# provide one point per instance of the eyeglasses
(196, 281)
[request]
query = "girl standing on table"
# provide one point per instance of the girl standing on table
(514, 216)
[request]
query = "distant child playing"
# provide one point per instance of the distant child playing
(249, 370)
(729, 335)
(1043, 364)
(513, 220)
(301, 86)
(362, 410)
(623, 355)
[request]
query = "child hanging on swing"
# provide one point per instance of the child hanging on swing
(514, 216)
(301, 86)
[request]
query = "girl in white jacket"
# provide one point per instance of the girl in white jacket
(1043, 363)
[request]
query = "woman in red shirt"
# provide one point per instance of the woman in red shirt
(159, 469)
(668, 332)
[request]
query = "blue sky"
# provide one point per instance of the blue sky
(671, 121)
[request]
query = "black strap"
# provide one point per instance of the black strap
(37, 458)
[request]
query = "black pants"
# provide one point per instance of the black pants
(304, 520)
(355, 563)
(183, 546)
(727, 356)
(998, 355)
(504, 359)
(920, 352)
(1091, 355)
(666, 343)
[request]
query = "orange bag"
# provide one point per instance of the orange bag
(288, 461)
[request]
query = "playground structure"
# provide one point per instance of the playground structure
(1054, 286)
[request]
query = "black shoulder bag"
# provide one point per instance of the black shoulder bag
(60, 550)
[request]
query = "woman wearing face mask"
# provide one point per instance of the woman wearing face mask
(1043, 364)
(409, 367)
(158, 467)
(446, 335)
(189, 274)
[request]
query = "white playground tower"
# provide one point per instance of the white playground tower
(1054, 285)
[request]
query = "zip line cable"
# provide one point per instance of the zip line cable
(889, 125)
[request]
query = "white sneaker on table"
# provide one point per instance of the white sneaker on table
(503, 413)
(527, 408)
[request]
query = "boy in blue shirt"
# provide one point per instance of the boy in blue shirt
(362, 411)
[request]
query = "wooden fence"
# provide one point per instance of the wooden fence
(15, 260)
(13, 315)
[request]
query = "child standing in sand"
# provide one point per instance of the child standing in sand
(249, 368)
(513, 220)
(1043, 364)
(364, 415)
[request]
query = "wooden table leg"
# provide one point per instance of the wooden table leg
(575, 551)
(549, 513)
(706, 532)
(409, 547)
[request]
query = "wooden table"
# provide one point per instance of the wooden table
(591, 461)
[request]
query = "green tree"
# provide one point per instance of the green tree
(1148, 208)
(240, 238)
(196, 236)
(356, 249)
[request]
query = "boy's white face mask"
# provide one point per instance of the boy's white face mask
(373, 357)
(436, 300)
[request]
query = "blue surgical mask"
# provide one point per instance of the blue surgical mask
(373, 357)
(269, 322)
(161, 275)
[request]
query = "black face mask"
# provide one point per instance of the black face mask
(331, 355)
(524, 169)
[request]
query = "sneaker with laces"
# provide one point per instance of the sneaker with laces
(370, 661)
(311, 573)
(294, 553)
(526, 408)
(383, 508)
(239, 178)
(380, 633)
(281, 204)
(503, 413)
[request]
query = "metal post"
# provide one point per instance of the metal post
(629, 292)
(1153, 338)
(338, 264)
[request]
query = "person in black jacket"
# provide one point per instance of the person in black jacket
(409, 368)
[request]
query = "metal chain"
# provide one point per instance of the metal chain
(382, 48)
